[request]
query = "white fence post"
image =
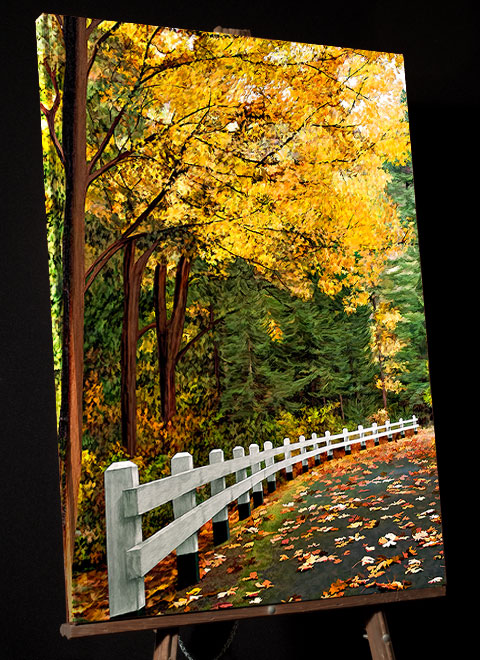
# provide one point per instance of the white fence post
(187, 552)
(402, 430)
(415, 425)
(124, 593)
(243, 502)
(329, 444)
(363, 444)
(376, 440)
(318, 457)
(271, 479)
(301, 439)
(221, 529)
(287, 455)
(348, 448)
(257, 490)
(388, 430)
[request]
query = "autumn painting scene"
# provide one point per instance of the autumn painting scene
(241, 368)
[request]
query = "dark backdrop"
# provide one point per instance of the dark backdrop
(439, 42)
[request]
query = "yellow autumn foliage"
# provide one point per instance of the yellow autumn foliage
(266, 150)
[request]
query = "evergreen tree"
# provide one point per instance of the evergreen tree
(401, 285)
(358, 396)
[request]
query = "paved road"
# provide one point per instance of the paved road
(361, 524)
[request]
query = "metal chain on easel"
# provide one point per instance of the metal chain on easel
(223, 650)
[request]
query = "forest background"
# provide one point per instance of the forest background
(438, 81)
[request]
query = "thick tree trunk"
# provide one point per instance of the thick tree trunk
(170, 331)
(132, 279)
(74, 150)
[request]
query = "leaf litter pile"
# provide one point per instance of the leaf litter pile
(360, 524)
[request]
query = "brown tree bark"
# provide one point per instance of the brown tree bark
(74, 154)
(170, 331)
(132, 279)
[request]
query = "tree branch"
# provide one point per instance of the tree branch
(50, 114)
(150, 207)
(106, 139)
(108, 166)
(95, 22)
(101, 260)
(99, 42)
(106, 255)
(145, 329)
(198, 336)
(255, 262)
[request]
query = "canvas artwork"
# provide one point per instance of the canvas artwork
(243, 399)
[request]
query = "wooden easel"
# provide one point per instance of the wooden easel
(376, 628)
(166, 642)
(378, 637)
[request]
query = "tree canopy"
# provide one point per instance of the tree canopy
(243, 147)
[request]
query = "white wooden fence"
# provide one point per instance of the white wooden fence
(129, 558)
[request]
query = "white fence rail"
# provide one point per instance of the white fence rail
(129, 558)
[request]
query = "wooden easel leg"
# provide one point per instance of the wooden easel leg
(165, 645)
(379, 638)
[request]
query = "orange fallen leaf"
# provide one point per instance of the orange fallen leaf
(253, 576)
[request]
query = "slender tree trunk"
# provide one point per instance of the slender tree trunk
(74, 150)
(170, 331)
(132, 280)
(128, 353)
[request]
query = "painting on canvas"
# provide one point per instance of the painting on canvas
(243, 400)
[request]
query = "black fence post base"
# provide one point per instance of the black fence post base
(271, 486)
(289, 476)
(244, 511)
(257, 498)
(221, 532)
(188, 570)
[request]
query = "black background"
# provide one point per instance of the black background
(440, 45)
